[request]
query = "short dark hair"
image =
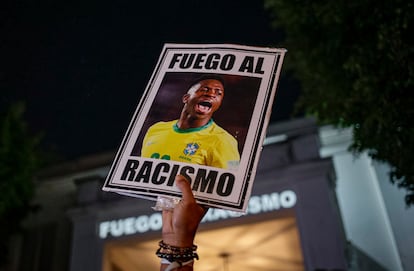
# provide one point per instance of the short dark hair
(207, 77)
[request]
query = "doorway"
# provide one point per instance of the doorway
(268, 245)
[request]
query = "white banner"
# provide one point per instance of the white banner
(203, 115)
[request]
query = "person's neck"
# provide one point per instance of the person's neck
(187, 122)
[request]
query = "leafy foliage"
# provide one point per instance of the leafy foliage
(18, 162)
(354, 60)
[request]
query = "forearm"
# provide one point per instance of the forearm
(176, 257)
(177, 250)
(188, 267)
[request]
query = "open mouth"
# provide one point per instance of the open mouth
(204, 107)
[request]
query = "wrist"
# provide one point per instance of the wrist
(176, 256)
(174, 240)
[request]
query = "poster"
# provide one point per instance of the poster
(204, 115)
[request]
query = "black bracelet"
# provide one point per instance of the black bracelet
(176, 254)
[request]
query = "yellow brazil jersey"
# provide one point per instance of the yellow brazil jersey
(208, 145)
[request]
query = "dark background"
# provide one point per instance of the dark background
(81, 66)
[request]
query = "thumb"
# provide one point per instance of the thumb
(184, 185)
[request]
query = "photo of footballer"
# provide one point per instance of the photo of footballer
(193, 135)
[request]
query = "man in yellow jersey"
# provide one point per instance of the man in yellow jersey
(195, 137)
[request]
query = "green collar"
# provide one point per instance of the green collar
(190, 130)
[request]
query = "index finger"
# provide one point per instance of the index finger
(184, 185)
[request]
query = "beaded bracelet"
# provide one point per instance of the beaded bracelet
(176, 254)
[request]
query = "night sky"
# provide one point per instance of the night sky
(82, 66)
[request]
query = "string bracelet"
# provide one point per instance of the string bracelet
(173, 265)
(176, 254)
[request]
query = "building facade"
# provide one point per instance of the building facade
(295, 218)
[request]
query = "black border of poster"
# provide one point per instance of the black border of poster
(256, 136)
